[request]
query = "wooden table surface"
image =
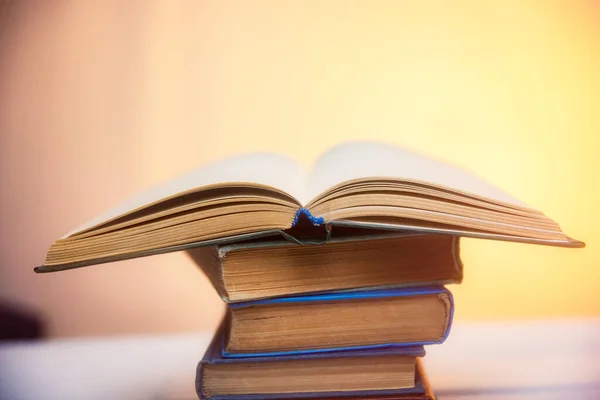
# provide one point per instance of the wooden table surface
(548, 359)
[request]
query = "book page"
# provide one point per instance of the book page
(370, 159)
(269, 169)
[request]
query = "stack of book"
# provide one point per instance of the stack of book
(333, 278)
(346, 318)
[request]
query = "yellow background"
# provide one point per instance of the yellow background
(98, 101)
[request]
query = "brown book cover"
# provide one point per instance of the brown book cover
(263, 269)
(341, 375)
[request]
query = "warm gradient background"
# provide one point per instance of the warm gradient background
(99, 100)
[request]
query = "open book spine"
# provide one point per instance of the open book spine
(302, 211)
(345, 296)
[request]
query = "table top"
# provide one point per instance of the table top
(547, 359)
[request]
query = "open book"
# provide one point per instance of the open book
(363, 188)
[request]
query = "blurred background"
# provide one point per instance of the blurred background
(99, 100)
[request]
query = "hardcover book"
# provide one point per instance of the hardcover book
(338, 321)
(353, 374)
(366, 186)
(259, 269)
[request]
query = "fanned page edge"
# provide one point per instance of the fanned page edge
(266, 170)
(570, 242)
(368, 160)
(171, 249)
(285, 175)
(372, 161)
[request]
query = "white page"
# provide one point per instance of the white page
(369, 159)
(269, 169)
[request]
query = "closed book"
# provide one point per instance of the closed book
(338, 321)
(359, 373)
(263, 269)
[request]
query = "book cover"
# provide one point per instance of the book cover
(214, 355)
(262, 269)
(357, 295)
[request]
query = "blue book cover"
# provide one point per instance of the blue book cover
(214, 357)
(443, 302)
